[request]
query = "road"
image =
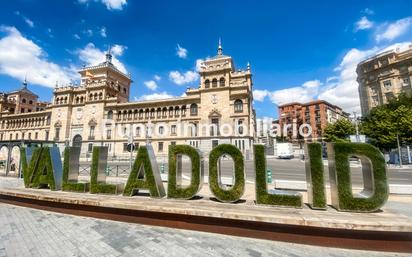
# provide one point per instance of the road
(293, 170)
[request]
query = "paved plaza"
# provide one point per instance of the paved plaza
(30, 232)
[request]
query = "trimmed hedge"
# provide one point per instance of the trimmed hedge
(72, 186)
(315, 176)
(95, 186)
(262, 195)
(237, 190)
(25, 166)
(40, 171)
(174, 190)
(376, 190)
(151, 181)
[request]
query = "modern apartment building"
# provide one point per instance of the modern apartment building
(317, 114)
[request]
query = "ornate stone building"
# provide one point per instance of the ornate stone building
(98, 112)
(383, 77)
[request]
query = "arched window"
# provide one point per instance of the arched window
(65, 99)
(77, 100)
(81, 99)
(159, 113)
(100, 96)
(164, 112)
(183, 110)
(207, 83)
(140, 114)
(238, 105)
(24, 100)
(222, 82)
(91, 97)
(124, 90)
(170, 111)
(193, 109)
(110, 115)
(214, 83)
(30, 102)
(95, 96)
(152, 113)
(177, 110)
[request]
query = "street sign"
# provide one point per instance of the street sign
(130, 147)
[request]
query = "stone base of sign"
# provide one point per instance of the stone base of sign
(385, 230)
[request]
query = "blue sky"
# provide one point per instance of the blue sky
(298, 50)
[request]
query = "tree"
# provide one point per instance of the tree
(384, 123)
(339, 131)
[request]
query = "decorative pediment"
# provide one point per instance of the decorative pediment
(58, 124)
(92, 122)
(215, 113)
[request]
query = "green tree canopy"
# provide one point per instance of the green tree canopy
(339, 131)
(385, 122)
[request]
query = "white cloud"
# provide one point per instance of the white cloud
(88, 32)
(110, 4)
(151, 84)
(92, 55)
(368, 11)
(199, 63)
(157, 77)
(183, 78)
(393, 30)
(363, 24)
(29, 22)
(103, 32)
(76, 36)
(260, 95)
(305, 93)
(181, 52)
(20, 56)
(155, 96)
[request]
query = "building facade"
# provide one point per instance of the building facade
(98, 112)
(383, 77)
(317, 114)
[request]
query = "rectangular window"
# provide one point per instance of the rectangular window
(29, 135)
(124, 147)
(387, 84)
(46, 136)
(57, 134)
(160, 147)
(109, 134)
(22, 110)
(136, 147)
(36, 135)
(215, 128)
(138, 131)
(215, 143)
(90, 147)
(91, 133)
(173, 143)
(173, 130)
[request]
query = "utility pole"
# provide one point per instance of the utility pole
(356, 127)
(399, 149)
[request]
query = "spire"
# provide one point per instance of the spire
(24, 84)
(248, 65)
(109, 55)
(219, 48)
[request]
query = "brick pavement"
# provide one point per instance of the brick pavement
(30, 232)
